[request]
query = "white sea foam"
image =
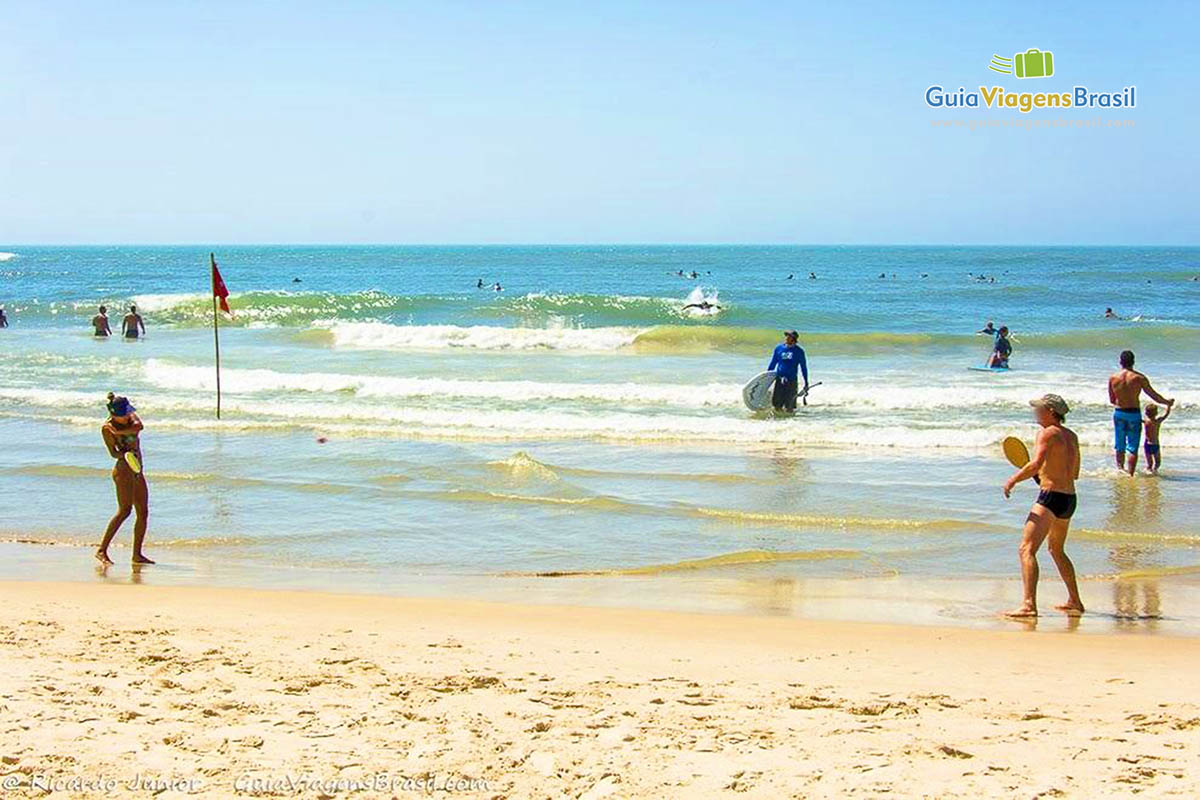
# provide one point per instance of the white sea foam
(381, 336)
(153, 303)
(167, 375)
(7, 256)
(845, 397)
(193, 409)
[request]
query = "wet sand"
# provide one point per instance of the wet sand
(217, 692)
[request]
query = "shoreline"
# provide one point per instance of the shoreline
(208, 685)
(1153, 603)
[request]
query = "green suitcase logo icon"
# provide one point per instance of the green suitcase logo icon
(1034, 63)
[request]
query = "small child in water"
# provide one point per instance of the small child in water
(1151, 423)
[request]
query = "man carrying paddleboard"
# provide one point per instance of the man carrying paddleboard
(786, 362)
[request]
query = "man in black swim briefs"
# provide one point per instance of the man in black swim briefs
(1055, 462)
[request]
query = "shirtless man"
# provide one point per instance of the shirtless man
(132, 323)
(100, 323)
(1055, 462)
(1125, 389)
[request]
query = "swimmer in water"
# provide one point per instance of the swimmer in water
(121, 437)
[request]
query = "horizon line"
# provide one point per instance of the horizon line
(587, 244)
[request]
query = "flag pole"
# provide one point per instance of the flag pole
(212, 259)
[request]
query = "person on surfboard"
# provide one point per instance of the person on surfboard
(787, 360)
(1055, 462)
(1001, 350)
(121, 437)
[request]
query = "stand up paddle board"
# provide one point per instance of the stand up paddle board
(989, 369)
(757, 393)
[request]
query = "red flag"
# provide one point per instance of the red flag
(218, 286)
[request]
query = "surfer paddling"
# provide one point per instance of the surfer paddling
(787, 360)
(121, 437)
(1055, 463)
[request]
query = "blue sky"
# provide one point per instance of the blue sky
(583, 122)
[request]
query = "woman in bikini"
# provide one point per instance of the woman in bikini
(120, 434)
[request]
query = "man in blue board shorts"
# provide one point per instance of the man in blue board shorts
(1125, 389)
(786, 362)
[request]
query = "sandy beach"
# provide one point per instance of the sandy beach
(218, 692)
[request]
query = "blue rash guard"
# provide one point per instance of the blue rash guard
(786, 360)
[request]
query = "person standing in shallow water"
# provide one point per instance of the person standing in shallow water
(1055, 462)
(786, 361)
(121, 436)
(1125, 388)
(133, 325)
(100, 323)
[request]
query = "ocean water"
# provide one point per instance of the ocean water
(579, 436)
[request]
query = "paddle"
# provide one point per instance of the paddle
(804, 394)
(1017, 454)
